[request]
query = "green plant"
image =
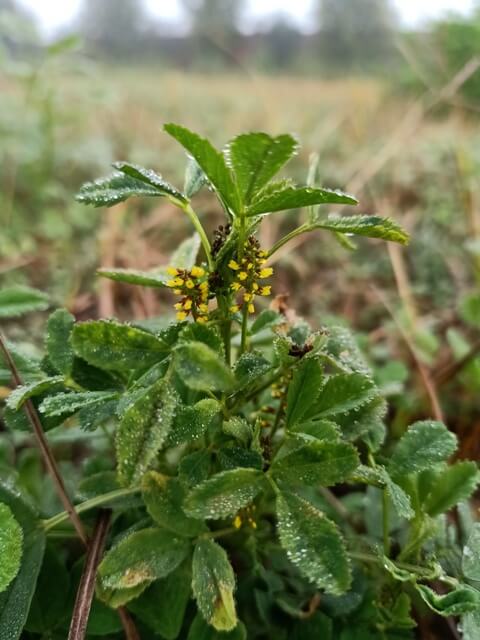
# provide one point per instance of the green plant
(213, 445)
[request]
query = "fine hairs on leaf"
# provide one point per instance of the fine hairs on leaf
(239, 463)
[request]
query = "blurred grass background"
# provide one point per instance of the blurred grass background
(388, 113)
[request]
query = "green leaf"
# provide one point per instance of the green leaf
(15, 301)
(400, 499)
(149, 177)
(153, 278)
(212, 163)
(201, 368)
(471, 626)
(318, 429)
(11, 540)
(370, 226)
(469, 309)
(295, 198)
(313, 544)
(194, 468)
(162, 606)
(239, 429)
(341, 393)
(224, 493)
(315, 627)
(423, 445)
(265, 319)
(191, 422)
(143, 430)
(115, 598)
(463, 599)
(15, 601)
(256, 157)
(303, 389)
(250, 367)
(142, 556)
(185, 255)
(117, 347)
(471, 554)
(19, 395)
(317, 462)
(68, 403)
(200, 630)
(163, 497)
(213, 584)
(454, 484)
(57, 342)
(194, 178)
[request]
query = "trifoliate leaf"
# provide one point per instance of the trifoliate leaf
(212, 163)
(141, 557)
(341, 393)
(192, 421)
(15, 301)
(149, 177)
(11, 540)
(224, 493)
(454, 484)
(295, 198)
(256, 157)
(317, 463)
(143, 430)
(201, 368)
(22, 393)
(57, 342)
(370, 226)
(303, 389)
(68, 403)
(213, 583)
(163, 497)
(313, 543)
(423, 445)
(117, 347)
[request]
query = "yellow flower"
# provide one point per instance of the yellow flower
(265, 291)
(202, 319)
(248, 297)
(171, 283)
(177, 292)
(172, 271)
(181, 315)
(234, 308)
(203, 307)
(235, 286)
(251, 308)
(255, 286)
(243, 275)
(197, 272)
(178, 305)
(265, 273)
(237, 523)
(203, 286)
(234, 265)
(187, 305)
(189, 284)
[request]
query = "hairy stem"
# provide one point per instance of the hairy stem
(47, 455)
(86, 589)
(97, 501)
(243, 340)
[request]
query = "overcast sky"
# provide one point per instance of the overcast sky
(54, 14)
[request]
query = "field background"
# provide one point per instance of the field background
(406, 144)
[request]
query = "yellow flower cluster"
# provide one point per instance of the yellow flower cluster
(192, 285)
(246, 516)
(248, 271)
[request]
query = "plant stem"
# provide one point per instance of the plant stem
(97, 501)
(86, 589)
(304, 228)
(413, 568)
(128, 625)
(220, 533)
(201, 232)
(243, 341)
(49, 460)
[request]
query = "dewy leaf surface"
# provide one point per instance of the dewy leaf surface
(11, 540)
(213, 583)
(256, 157)
(15, 301)
(133, 276)
(454, 484)
(67, 403)
(313, 543)
(22, 393)
(317, 462)
(201, 368)
(295, 198)
(370, 226)
(471, 554)
(117, 347)
(143, 430)
(57, 342)
(142, 556)
(303, 389)
(148, 176)
(211, 161)
(423, 445)
(341, 393)
(224, 494)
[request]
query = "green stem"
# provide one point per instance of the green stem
(219, 533)
(201, 232)
(422, 572)
(243, 341)
(98, 501)
(304, 228)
